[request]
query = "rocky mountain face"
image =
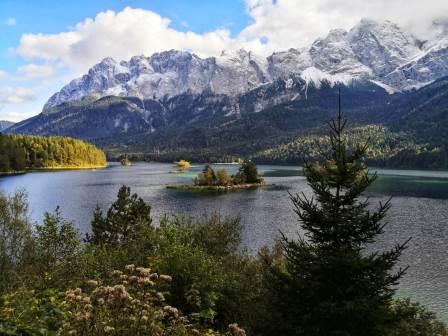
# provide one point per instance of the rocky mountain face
(176, 100)
(5, 124)
(377, 51)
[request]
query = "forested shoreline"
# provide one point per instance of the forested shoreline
(20, 153)
(388, 149)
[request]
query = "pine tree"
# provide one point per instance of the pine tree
(127, 218)
(247, 173)
(331, 283)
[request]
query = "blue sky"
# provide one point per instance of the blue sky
(18, 17)
(46, 43)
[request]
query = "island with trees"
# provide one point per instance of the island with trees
(182, 167)
(125, 161)
(21, 153)
(247, 177)
(183, 164)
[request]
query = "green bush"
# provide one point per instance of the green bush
(15, 238)
(56, 253)
(32, 312)
(412, 319)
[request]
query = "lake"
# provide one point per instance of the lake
(420, 210)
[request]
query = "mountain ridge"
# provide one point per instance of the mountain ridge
(5, 124)
(371, 50)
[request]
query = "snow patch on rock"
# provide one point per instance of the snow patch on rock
(379, 51)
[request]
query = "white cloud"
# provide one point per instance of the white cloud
(17, 95)
(122, 35)
(277, 25)
(2, 74)
(292, 23)
(35, 71)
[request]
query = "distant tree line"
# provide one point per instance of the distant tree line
(387, 149)
(22, 152)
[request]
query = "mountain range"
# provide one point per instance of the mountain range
(4, 124)
(178, 102)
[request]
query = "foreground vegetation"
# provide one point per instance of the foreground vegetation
(23, 152)
(188, 276)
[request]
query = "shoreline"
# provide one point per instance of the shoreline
(216, 188)
(43, 169)
(292, 164)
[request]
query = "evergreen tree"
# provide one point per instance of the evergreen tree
(331, 284)
(127, 218)
(206, 177)
(248, 173)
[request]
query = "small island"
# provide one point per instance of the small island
(219, 180)
(183, 164)
(125, 161)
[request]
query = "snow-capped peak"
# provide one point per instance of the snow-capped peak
(382, 46)
(378, 51)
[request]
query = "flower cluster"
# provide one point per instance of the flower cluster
(235, 330)
(135, 305)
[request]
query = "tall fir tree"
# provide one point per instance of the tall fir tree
(331, 283)
(127, 218)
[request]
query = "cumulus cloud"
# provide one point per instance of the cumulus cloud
(276, 25)
(122, 35)
(2, 74)
(292, 23)
(16, 95)
(35, 71)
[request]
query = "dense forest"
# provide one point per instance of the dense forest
(22, 152)
(187, 276)
(387, 149)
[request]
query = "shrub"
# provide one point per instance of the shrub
(57, 247)
(218, 236)
(16, 238)
(412, 319)
(197, 275)
(223, 178)
(207, 177)
(134, 304)
(31, 312)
